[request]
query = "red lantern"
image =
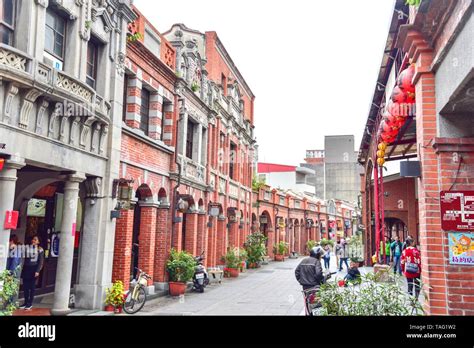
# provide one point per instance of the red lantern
(410, 97)
(393, 108)
(398, 96)
(406, 78)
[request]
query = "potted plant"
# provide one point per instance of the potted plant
(256, 250)
(232, 263)
(180, 268)
(8, 290)
(310, 245)
(280, 250)
(243, 259)
(114, 298)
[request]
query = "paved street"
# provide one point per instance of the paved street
(270, 290)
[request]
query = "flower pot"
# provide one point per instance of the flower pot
(279, 258)
(118, 310)
(109, 308)
(177, 288)
(253, 265)
(233, 272)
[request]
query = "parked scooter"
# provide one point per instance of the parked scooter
(200, 278)
(312, 302)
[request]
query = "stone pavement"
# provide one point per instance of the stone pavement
(270, 290)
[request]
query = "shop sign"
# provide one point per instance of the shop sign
(55, 245)
(11, 220)
(457, 211)
(461, 248)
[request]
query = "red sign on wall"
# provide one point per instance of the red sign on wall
(457, 211)
(11, 220)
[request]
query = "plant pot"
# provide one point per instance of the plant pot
(177, 288)
(233, 272)
(252, 265)
(109, 308)
(279, 258)
(118, 310)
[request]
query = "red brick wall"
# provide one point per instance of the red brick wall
(122, 249)
(147, 240)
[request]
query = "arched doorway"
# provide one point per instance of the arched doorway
(396, 227)
(266, 226)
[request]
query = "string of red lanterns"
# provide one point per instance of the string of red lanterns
(395, 114)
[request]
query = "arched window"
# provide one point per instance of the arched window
(184, 68)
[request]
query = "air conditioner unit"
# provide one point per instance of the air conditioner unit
(52, 61)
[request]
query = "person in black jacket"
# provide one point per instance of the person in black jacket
(309, 272)
(33, 263)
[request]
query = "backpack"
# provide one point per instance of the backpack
(411, 267)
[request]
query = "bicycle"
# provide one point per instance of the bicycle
(136, 297)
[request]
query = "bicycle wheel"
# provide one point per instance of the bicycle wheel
(131, 305)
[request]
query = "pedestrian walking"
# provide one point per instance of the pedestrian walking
(309, 272)
(405, 243)
(14, 262)
(411, 266)
(388, 244)
(327, 256)
(32, 267)
(337, 247)
(343, 254)
(385, 251)
(396, 252)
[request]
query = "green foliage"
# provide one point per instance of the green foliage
(233, 258)
(195, 86)
(325, 242)
(134, 37)
(180, 266)
(281, 248)
(9, 286)
(372, 298)
(255, 247)
(413, 2)
(310, 244)
(115, 294)
(243, 255)
(356, 248)
(257, 183)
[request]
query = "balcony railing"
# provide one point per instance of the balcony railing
(234, 189)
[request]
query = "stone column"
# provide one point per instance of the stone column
(161, 248)
(8, 178)
(123, 248)
(146, 240)
(211, 243)
(87, 289)
(66, 245)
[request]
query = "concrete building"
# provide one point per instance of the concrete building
(286, 177)
(60, 123)
(337, 173)
(437, 38)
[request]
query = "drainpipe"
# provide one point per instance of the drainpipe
(178, 184)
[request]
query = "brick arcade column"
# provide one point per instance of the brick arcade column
(123, 248)
(190, 243)
(177, 232)
(202, 235)
(221, 239)
(234, 235)
(270, 242)
(161, 243)
(211, 243)
(147, 238)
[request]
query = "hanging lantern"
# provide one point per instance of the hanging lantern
(380, 161)
(380, 154)
(382, 146)
(405, 79)
(398, 96)
(410, 97)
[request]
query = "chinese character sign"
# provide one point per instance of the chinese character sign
(461, 248)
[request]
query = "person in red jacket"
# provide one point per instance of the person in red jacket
(411, 267)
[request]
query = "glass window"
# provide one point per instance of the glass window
(7, 21)
(92, 55)
(55, 34)
(145, 111)
(189, 140)
(233, 152)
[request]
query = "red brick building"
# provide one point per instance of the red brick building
(147, 153)
(296, 218)
(215, 146)
(437, 37)
(187, 150)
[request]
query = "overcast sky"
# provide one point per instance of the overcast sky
(312, 64)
